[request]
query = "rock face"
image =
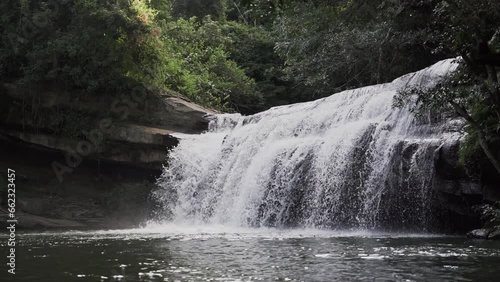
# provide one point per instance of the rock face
(134, 132)
(458, 193)
(100, 154)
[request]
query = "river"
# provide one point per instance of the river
(215, 253)
(259, 198)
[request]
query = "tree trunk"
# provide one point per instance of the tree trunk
(492, 85)
(481, 136)
(487, 151)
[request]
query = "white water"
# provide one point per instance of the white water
(346, 161)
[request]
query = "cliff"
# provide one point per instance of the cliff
(83, 160)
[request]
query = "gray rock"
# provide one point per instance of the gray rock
(479, 233)
(139, 139)
(494, 235)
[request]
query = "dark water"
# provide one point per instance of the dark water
(213, 254)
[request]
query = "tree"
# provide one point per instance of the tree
(471, 30)
(87, 44)
(108, 47)
(336, 45)
(255, 12)
(216, 9)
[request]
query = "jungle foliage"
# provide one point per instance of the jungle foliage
(249, 55)
(473, 92)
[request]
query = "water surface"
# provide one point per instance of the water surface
(172, 253)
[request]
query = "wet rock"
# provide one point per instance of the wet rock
(456, 191)
(479, 233)
(491, 193)
(494, 235)
(447, 161)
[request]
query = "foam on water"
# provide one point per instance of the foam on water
(169, 252)
(347, 161)
(172, 231)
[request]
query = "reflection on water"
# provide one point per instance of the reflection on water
(217, 254)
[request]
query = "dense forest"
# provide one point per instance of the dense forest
(243, 56)
(249, 55)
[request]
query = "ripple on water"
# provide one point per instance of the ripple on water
(256, 255)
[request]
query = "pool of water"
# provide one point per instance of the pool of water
(173, 253)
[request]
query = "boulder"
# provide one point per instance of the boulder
(479, 233)
(494, 235)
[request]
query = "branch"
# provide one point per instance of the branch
(463, 113)
(239, 11)
(480, 133)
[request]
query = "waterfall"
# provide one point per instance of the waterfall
(350, 160)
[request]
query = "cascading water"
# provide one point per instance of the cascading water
(350, 160)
